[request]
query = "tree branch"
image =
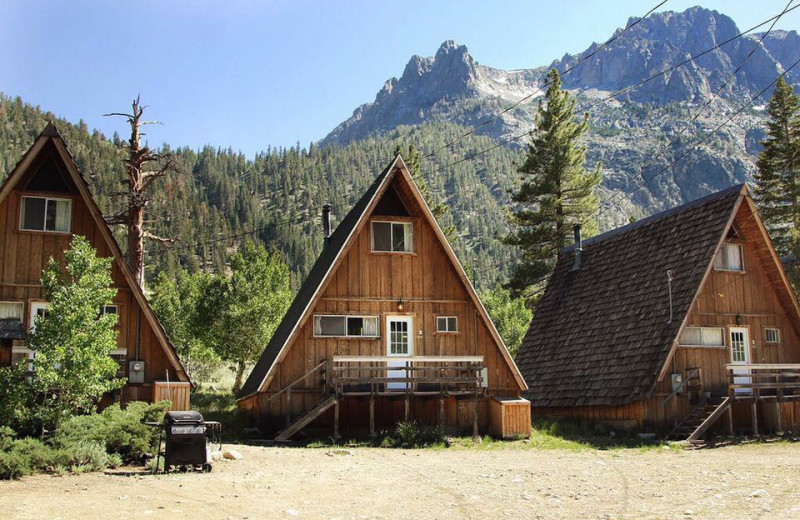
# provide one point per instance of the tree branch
(165, 241)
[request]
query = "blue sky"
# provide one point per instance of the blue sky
(250, 74)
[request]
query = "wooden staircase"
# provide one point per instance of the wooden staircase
(699, 420)
(300, 422)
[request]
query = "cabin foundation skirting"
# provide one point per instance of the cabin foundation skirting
(354, 414)
(652, 416)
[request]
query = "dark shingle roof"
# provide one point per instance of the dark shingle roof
(12, 329)
(601, 334)
(316, 276)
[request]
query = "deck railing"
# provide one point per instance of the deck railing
(771, 381)
(417, 375)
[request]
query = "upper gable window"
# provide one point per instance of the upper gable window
(45, 214)
(393, 237)
(730, 257)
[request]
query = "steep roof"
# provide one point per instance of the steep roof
(51, 135)
(338, 244)
(602, 333)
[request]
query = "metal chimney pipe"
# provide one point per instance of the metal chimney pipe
(578, 247)
(326, 221)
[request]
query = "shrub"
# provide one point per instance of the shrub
(118, 430)
(6, 438)
(415, 435)
(13, 465)
(88, 456)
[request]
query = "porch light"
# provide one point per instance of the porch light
(400, 305)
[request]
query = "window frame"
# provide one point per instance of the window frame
(20, 304)
(777, 335)
(725, 247)
(346, 318)
(32, 307)
(391, 223)
(689, 345)
(447, 318)
(47, 199)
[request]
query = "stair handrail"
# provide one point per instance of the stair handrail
(690, 374)
(296, 381)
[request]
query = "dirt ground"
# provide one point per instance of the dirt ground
(738, 482)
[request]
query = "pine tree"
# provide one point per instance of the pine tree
(556, 191)
(778, 188)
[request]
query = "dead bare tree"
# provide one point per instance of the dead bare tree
(144, 166)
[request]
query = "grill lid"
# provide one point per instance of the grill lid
(190, 416)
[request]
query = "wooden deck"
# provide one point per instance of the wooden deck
(756, 383)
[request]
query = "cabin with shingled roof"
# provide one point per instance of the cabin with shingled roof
(682, 323)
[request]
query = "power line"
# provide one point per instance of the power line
(700, 141)
(694, 118)
(618, 92)
(546, 83)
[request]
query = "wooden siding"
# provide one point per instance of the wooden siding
(176, 392)
(510, 418)
(726, 299)
(25, 254)
(372, 284)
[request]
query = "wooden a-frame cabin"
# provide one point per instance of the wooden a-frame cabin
(387, 327)
(44, 202)
(679, 323)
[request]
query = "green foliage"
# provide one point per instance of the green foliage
(177, 302)
(17, 404)
(13, 465)
(244, 309)
(556, 191)
(416, 435)
(73, 368)
(510, 315)
(119, 431)
(778, 176)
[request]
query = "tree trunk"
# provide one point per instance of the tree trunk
(237, 383)
(136, 244)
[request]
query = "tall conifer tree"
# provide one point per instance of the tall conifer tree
(778, 188)
(556, 190)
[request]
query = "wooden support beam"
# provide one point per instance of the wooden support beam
(407, 406)
(336, 419)
(372, 416)
(730, 421)
(288, 407)
(441, 411)
(754, 408)
(475, 434)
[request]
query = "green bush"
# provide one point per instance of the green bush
(119, 431)
(6, 438)
(88, 456)
(415, 435)
(13, 465)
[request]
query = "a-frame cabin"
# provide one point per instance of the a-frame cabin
(44, 202)
(677, 323)
(387, 327)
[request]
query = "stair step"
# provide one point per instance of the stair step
(305, 419)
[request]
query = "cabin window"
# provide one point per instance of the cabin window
(346, 326)
(729, 258)
(393, 237)
(109, 309)
(22, 354)
(12, 310)
(446, 324)
(702, 337)
(772, 335)
(45, 214)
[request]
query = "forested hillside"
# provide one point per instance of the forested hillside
(220, 197)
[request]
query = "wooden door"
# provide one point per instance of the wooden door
(399, 343)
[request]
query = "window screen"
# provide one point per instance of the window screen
(729, 258)
(346, 326)
(446, 324)
(43, 214)
(703, 337)
(395, 237)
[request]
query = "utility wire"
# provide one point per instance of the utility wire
(617, 93)
(664, 150)
(546, 83)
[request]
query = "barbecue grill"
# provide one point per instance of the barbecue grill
(185, 436)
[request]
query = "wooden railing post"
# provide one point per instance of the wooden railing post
(288, 406)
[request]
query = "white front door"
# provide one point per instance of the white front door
(740, 355)
(399, 343)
